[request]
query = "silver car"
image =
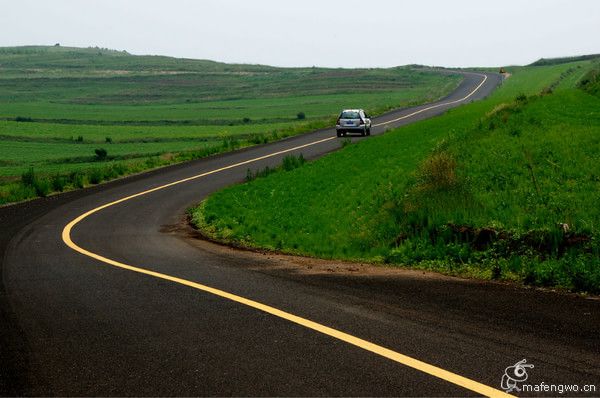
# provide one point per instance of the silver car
(353, 121)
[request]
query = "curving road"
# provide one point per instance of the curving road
(130, 305)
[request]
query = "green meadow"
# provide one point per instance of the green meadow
(506, 189)
(59, 105)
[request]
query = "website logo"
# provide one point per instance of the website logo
(513, 375)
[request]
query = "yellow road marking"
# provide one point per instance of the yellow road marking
(350, 339)
(437, 105)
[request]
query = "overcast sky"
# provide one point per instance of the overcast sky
(348, 33)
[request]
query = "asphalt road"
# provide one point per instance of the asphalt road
(74, 325)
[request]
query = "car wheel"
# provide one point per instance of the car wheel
(339, 133)
(368, 131)
(363, 132)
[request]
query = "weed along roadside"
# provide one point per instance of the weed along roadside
(504, 189)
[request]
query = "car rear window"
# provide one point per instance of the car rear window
(350, 115)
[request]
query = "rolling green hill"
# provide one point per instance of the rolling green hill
(564, 60)
(59, 104)
(507, 188)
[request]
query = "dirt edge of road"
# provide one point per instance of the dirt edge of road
(274, 261)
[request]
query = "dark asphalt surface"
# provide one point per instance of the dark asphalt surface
(71, 325)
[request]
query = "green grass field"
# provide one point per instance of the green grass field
(506, 188)
(58, 105)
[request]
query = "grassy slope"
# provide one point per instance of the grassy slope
(564, 60)
(423, 194)
(57, 105)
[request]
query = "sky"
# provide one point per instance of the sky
(329, 33)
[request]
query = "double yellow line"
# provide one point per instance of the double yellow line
(350, 339)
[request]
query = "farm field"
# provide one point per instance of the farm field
(58, 105)
(506, 189)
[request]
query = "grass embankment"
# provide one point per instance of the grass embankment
(58, 105)
(507, 188)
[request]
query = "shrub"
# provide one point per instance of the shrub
(96, 176)
(255, 139)
(110, 173)
(101, 154)
(42, 187)
(119, 168)
(78, 180)
(58, 182)
(230, 143)
(151, 163)
(28, 178)
(31, 180)
(246, 120)
(438, 172)
(292, 162)
(249, 175)
(15, 193)
(108, 140)
(79, 138)
(301, 116)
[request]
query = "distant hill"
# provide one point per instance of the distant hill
(563, 60)
(108, 77)
(73, 59)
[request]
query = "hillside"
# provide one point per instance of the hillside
(70, 117)
(564, 60)
(506, 189)
(98, 76)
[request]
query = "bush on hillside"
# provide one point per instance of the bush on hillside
(101, 154)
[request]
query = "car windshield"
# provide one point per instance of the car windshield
(350, 115)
